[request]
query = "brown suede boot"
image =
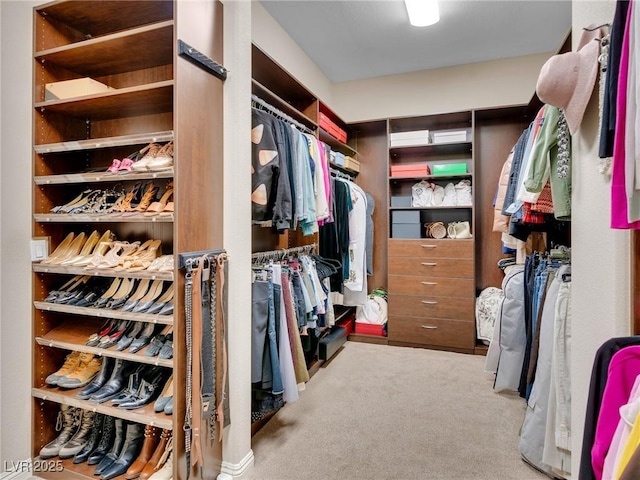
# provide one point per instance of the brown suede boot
(151, 439)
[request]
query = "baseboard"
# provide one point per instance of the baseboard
(230, 471)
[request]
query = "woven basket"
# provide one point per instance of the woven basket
(435, 230)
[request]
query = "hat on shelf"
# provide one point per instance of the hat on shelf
(566, 80)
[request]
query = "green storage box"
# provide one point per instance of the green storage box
(449, 169)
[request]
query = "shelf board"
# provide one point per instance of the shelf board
(125, 102)
(72, 336)
(104, 313)
(97, 177)
(270, 97)
(106, 142)
(134, 49)
(101, 272)
(432, 148)
(348, 171)
(433, 177)
(90, 218)
(336, 144)
(144, 415)
(463, 207)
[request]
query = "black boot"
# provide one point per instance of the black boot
(116, 382)
(150, 388)
(67, 423)
(132, 386)
(98, 382)
(81, 437)
(108, 433)
(96, 434)
(130, 451)
(116, 448)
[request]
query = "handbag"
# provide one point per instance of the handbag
(435, 230)
(459, 230)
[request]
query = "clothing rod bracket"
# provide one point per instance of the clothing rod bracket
(199, 59)
(187, 257)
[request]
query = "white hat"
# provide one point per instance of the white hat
(566, 80)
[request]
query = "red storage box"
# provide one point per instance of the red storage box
(370, 329)
(410, 170)
(332, 129)
(347, 324)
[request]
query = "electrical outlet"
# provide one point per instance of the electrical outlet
(39, 249)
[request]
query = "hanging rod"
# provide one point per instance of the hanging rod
(279, 113)
(341, 174)
(283, 253)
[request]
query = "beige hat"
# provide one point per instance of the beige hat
(566, 80)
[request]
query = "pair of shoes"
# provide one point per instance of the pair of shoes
(68, 248)
(154, 295)
(142, 257)
(77, 371)
(164, 403)
(149, 446)
(156, 158)
(161, 345)
(159, 457)
(164, 263)
(143, 339)
(149, 381)
(164, 206)
(165, 471)
(147, 198)
(115, 256)
(115, 383)
(75, 430)
(67, 290)
(123, 165)
(126, 447)
(94, 245)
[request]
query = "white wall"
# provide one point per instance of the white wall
(270, 37)
(601, 296)
(237, 453)
(15, 212)
(509, 81)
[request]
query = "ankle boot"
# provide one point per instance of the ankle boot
(150, 387)
(106, 440)
(151, 439)
(132, 386)
(116, 382)
(81, 437)
(116, 448)
(67, 423)
(154, 462)
(100, 379)
(130, 451)
(96, 433)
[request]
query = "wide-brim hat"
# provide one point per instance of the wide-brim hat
(566, 80)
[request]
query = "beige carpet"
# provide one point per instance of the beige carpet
(380, 412)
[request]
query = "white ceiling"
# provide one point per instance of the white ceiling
(357, 39)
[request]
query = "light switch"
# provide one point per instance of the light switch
(39, 249)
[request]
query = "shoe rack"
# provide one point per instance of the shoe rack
(155, 95)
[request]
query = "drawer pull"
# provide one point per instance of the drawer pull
(429, 302)
(429, 283)
(429, 246)
(429, 327)
(429, 264)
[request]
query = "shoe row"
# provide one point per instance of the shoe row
(154, 157)
(127, 334)
(103, 251)
(122, 294)
(127, 385)
(115, 446)
(117, 202)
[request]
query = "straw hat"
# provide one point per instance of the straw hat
(566, 80)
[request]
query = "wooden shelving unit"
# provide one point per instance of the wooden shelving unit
(154, 96)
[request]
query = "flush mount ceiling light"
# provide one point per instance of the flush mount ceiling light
(422, 13)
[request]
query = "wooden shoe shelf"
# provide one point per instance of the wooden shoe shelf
(154, 96)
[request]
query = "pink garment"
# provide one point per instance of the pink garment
(619, 207)
(623, 370)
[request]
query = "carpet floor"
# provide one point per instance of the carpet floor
(378, 412)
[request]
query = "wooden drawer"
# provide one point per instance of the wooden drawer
(431, 286)
(456, 308)
(431, 331)
(430, 267)
(428, 247)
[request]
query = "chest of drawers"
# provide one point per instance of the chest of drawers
(431, 292)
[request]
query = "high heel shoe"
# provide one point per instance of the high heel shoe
(87, 248)
(163, 159)
(64, 208)
(106, 296)
(114, 256)
(122, 295)
(72, 291)
(71, 251)
(128, 337)
(145, 258)
(145, 302)
(131, 198)
(98, 255)
(141, 291)
(167, 296)
(127, 260)
(149, 152)
(90, 249)
(68, 286)
(143, 339)
(147, 199)
(60, 249)
(157, 207)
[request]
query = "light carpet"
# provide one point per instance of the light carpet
(381, 412)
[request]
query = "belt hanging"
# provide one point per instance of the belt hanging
(188, 304)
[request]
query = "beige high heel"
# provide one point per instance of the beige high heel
(71, 251)
(97, 257)
(144, 260)
(118, 251)
(126, 261)
(60, 249)
(88, 247)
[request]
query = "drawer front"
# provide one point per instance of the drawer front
(431, 286)
(431, 331)
(433, 307)
(428, 247)
(431, 267)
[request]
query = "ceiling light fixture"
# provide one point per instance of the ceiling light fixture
(422, 13)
